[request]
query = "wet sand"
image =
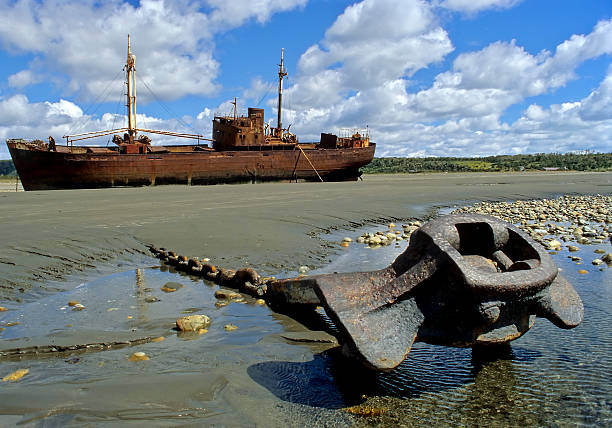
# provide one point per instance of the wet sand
(54, 241)
(274, 227)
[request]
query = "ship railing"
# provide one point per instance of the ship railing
(349, 132)
(88, 135)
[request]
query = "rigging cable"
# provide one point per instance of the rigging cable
(166, 108)
(270, 85)
(96, 103)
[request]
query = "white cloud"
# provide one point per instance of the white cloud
(460, 113)
(22, 78)
(236, 12)
(85, 41)
(473, 6)
(598, 105)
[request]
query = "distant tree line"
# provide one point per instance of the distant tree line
(535, 162)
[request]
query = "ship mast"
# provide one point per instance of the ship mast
(131, 92)
(281, 74)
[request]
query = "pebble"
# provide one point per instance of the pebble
(78, 307)
(171, 287)
(139, 356)
(158, 339)
(597, 262)
(573, 248)
(3, 309)
(16, 375)
(582, 271)
(347, 239)
(230, 327)
(227, 294)
(589, 216)
(344, 244)
(193, 322)
(303, 269)
(260, 302)
(73, 303)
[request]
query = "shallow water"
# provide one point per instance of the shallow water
(255, 376)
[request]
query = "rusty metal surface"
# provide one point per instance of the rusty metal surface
(39, 170)
(464, 280)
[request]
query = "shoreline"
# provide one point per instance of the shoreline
(272, 227)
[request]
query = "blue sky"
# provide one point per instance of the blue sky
(428, 78)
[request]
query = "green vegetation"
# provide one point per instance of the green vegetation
(7, 168)
(536, 162)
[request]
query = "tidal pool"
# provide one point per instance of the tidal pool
(271, 372)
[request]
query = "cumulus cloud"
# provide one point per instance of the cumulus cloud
(473, 6)
(460, 113)
(236, 12)
(351, 78)
(23, 78)
(173, 40)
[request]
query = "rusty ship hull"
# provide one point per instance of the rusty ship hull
(65, 168)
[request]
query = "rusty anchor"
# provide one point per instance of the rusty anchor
(464, 280)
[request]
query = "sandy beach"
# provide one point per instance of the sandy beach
(272, 226)
(90, 246)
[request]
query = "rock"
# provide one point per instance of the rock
(73, 303)
(230, 327)
(158, 339)
(3, 309)
(597, 262)
(245, 275)
(600, 251)
(227, 294)
(347, 239)
(303, 269)
(170, 287)
(260, 302)
(607, 258)
(151, 299)
(391, 225)
(16, 375)
(78, 307)
(573, 248)
(554, 245)
(375, 240)
(582, 271)
(138, 356)
(192, 322)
